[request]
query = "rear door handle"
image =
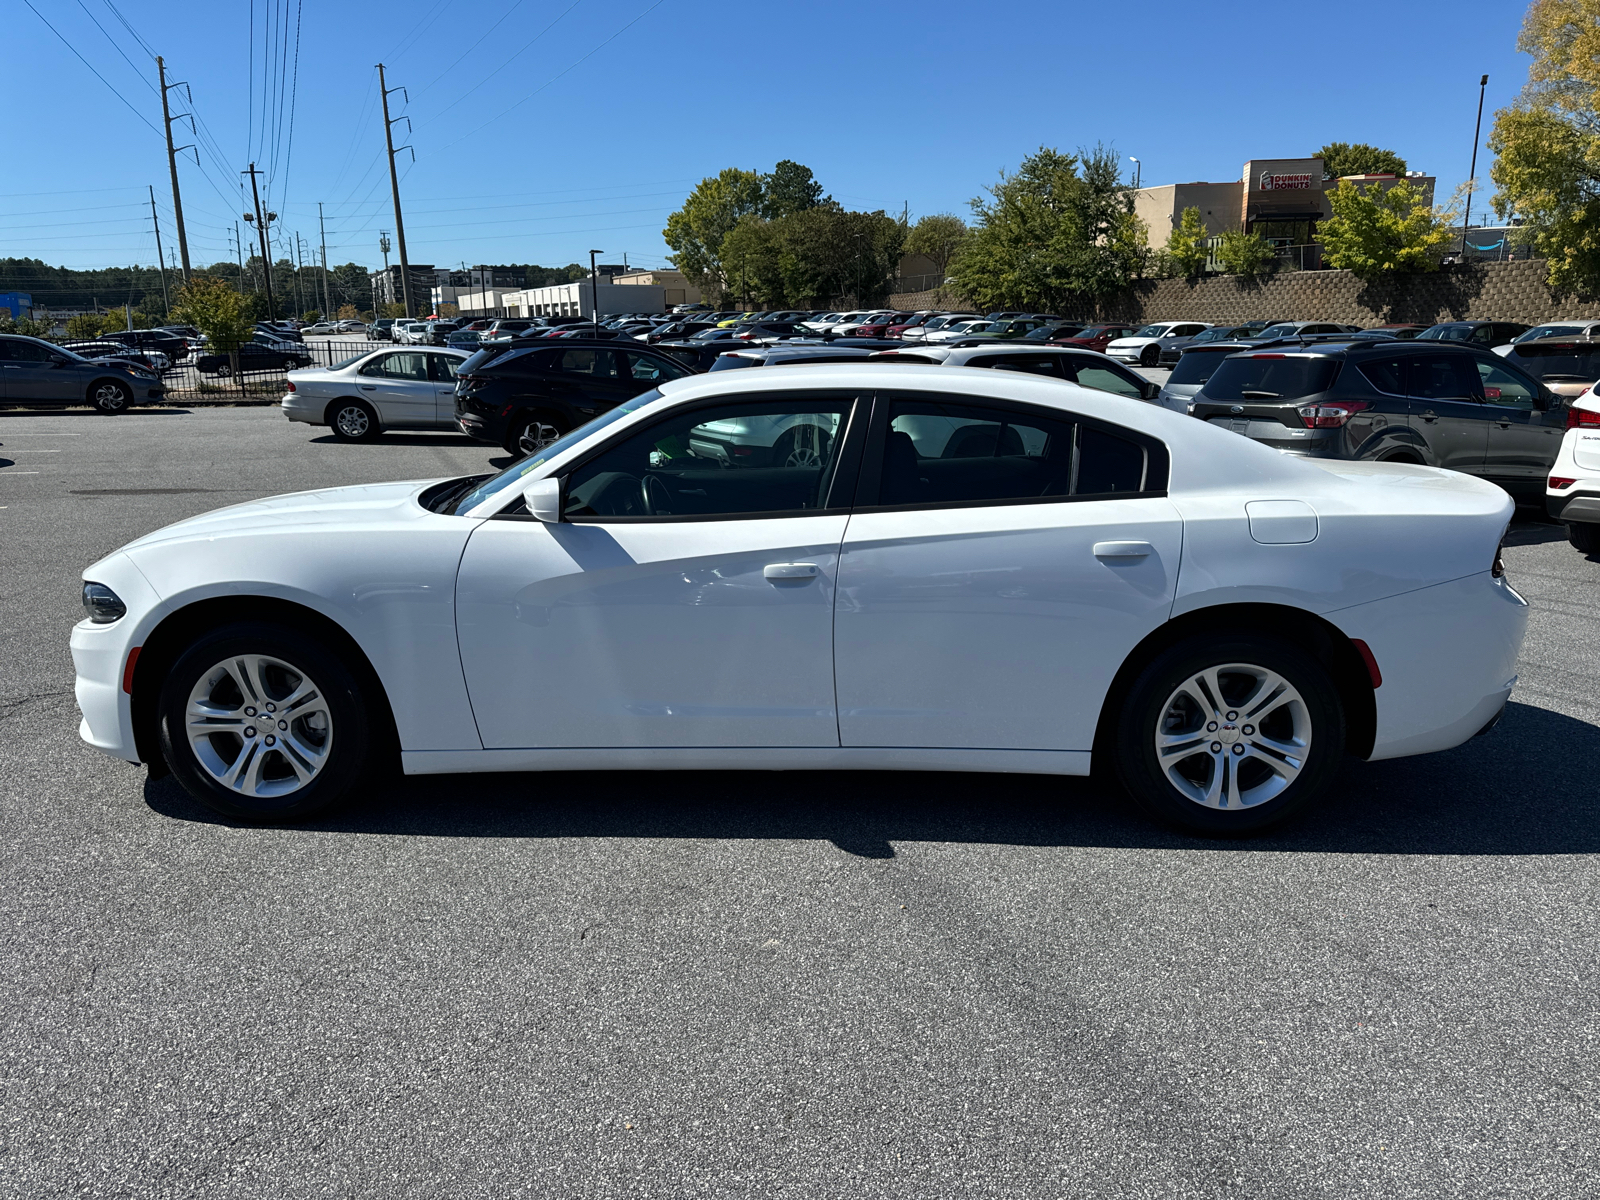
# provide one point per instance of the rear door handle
(1430, 415)
(790, 571)
(1123, 549)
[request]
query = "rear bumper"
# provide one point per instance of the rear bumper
(1574, 505)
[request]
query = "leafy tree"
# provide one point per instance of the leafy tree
(830, 255)
(788, 189)
(751, 254)
(214, 308)
(348, 312)
(1377, 231)
(1358, 158)
(394, 310)
(1248, 255)
(1547, 144)
(1059, 234)
(311, 314)
(696, 231)
(937, 237)
(117, 319)
(26, 326)
(1186, 251)
(85, 325)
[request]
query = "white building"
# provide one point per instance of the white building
(577, 300)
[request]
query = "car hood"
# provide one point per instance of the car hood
(1131, 341)
(370, 505)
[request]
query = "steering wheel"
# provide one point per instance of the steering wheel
(655, 497)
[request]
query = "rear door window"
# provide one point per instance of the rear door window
(1442, 377)
(1272, 377)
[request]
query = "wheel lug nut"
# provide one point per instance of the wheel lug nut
(1211, 727)
(1248, 730)
(271, 741)
(272, 708)
(1232, 716)
(250, 731)
(1237, 749)
(1216, 747)
(249, 712)
(283, 724)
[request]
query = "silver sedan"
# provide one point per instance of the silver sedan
(359, 398)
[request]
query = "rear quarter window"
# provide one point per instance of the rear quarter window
(1271, 377)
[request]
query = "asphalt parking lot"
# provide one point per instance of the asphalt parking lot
(732, 985)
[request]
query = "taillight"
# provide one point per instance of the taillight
(1558, 482)
(1582, 418)
(1498, 567)
(1331, 415)
(289, 386)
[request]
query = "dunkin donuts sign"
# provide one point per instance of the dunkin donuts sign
(1285, 183)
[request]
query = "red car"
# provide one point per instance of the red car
(1097, 337)
(880, 325)
(915, 319)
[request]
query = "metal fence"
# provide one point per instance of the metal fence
(185, 380)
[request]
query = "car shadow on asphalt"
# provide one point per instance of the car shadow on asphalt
(1524, 788)
(402, 437)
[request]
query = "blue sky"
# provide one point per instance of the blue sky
(543, 129)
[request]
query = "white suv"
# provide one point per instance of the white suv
(1144, 347)
(1573, 493)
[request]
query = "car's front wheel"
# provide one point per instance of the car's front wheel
(1149, 356)
(1229, 734)
(531, 434)
(263, 722)
(353, 421)
(110, 397)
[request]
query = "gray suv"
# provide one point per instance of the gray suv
(35, 372)
(1436, 403)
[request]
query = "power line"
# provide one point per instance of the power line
(90, 65)
(515, 5)
(114, 45)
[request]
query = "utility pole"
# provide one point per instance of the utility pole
(594, 289)
(327, 301)
(172, 164)
(160, 263)
(388, 281)
(260, 220)
(394, 187)
(1472, 174)
(299, 266)
(238, 245)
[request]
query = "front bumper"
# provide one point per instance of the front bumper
(100, 660)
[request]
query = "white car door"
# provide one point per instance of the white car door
(686, 598)
(1001, 563)
(399, 386)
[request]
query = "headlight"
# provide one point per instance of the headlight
(102, 605)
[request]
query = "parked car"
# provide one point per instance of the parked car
(320, 328)
(1223, 614)
(1475, 333)
(1174, 349)
(815, 324)
(676, 330)
(1400, 331)
(152, 360)
(405, 332)
(1097, 337)
(526, 398)
(936, 324)
(283, 331)
(381, 330)
(1441, 404)
(384, 389)
(255, 358)
(1572, 491)
(1303, 329)
(1571, 327)
(1086, 368)
(506, 328)
(464, 339)
(916, 319)
(33, 371)
(1145, 346)
(954, 331)
(1567, 366)
(1011, 330)
(1052, 331)
(880, 325)
(784, 355)
(174, 347)
(350, 327)
(1189, 374)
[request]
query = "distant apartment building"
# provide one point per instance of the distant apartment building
(1281, 199)
(425, 278)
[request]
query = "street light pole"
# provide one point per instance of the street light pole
(1472, 173)
(594, 289)
(1138, 171)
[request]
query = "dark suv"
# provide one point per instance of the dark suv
(1442, 404)
(526, 396)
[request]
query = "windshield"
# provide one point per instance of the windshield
(1270, 377)
(1446, 333)
(1213, 335)
(1151, 331)
(490, 488)
(1541, 331)
(1563, 362)
(349, 362)
(1284, 330)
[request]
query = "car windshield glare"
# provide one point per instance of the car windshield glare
(1271, 377)
(512, 475)
(1446, 333)
(1154, 331)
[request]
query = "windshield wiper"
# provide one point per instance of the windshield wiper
(1245, 395)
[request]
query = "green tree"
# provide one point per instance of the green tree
(789, 188)
(1547, 144)
(1358, 158)
(214, 308)
(393, 310)
(751, 255)
(937, 237)
(116, 320)
(696, 231)
(1377, 231)
(311, 314)
(1058, 235)
(85, 325)
(829, 255)
(1248, 255)
(1186, 251)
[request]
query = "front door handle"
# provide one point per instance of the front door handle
(369, 387)
(1123, 549)
(790, 571)
(1430, 415)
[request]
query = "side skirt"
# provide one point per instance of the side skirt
(748, 758)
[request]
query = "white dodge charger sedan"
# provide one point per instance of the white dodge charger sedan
(841, 566)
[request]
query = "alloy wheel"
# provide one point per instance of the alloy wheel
(1233, 736)
(259, 726)
(353, 421)
(109, 397)
(536, 436)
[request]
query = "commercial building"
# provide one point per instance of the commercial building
(1281, 199)
(425, 277)
(675, 288)
(17, 304)
(583, 299)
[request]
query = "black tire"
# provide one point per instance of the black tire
(1584, 536)
(346, 724)
(1150, 356)
(110, 397)
(353, 421)
(529, 433)
(1154, 707)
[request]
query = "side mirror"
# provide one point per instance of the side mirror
(1543, 401)
(1150, 391)
(544, 497)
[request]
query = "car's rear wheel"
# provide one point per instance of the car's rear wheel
(264, 722)
(1584, 536)
(353, 421)
(1229, 734)
(532, 433)
(110, 397)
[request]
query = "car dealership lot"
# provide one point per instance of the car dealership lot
(735, 984)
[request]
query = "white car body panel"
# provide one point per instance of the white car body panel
(1578, 460)
(1022, 616)
(1128, 349)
